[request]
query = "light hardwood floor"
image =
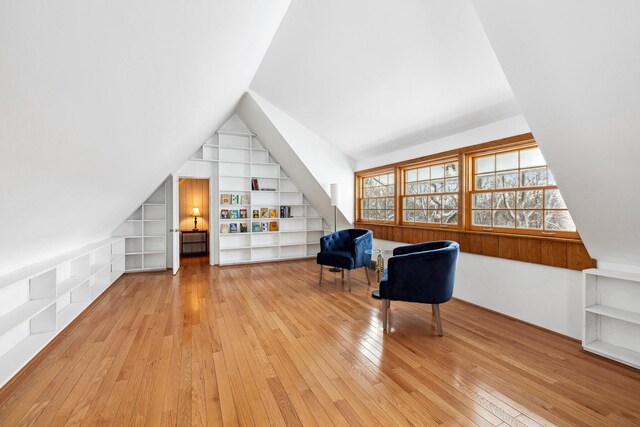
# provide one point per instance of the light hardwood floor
(264, 344)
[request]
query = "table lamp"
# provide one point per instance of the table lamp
(195, 213)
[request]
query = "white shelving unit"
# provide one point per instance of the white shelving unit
(612, 315)
(242, 159)
(145, 234)
(39, 301)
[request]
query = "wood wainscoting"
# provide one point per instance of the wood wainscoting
(564, 253)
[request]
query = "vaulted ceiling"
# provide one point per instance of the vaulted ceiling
(374, 76)
(100, 101)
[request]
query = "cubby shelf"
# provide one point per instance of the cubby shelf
(241, 159)
(611, 325)
(45, 297)
(145, 233)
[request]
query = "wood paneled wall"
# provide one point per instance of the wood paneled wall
(556, 253)
(194, 193)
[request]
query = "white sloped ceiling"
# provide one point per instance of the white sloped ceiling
(99, 101)
(574, 66)
(375, 76)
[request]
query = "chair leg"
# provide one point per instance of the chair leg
(320, 282)
(436, 311)
(389, 303)
(366, 273)
(349, 278)
(385, 305)
(342, 272)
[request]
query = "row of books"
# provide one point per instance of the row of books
(243, 227)
(234, 199)
(242, 213)
(233, 214)
(285, 212)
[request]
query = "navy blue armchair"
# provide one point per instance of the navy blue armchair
(423, 273)
(345, 249)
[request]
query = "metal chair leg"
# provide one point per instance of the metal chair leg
(320, 282)
(366, 273)
(349, 278)
(436, 311)
(385, 305)
(342, 272)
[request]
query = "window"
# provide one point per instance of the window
(515, 191)
(431, 194)
(377, 202)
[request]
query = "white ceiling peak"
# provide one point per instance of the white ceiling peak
(361, 74)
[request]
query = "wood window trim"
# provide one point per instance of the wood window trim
(470, 182)
(359, 196)
(558, 251)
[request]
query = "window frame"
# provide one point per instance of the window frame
(360, 178)
(402, 195)
(465, 156)
(470, 160)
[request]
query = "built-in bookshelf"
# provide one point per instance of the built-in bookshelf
(145, 234)
(612, 314)
(262, 215)
(39, 301)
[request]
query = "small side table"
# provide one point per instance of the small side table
(195, 243)
(378, 265)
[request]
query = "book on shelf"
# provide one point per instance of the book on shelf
(264, 213)
(255, 227)
(224, 228)
(267, 189)
(233, 214)
(244, 198)
(254, 184)
(243, 214)
(264, 226)
(244, 227)
(256, 213)
(225, 199)
(285, 211)
(273, 226)
(233, 199)
(272, 213)
(224, 214)
(233, 227)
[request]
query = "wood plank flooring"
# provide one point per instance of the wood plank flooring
(265, 345)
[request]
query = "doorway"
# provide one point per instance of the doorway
(194, 220)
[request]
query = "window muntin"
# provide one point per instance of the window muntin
(378, 197)
(516, 190)
(431, 194)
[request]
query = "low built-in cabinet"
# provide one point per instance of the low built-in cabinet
(38, 302)
(612, 315)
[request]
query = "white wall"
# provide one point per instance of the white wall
(312, 162)
(100, 100)
(546, 296)
(501, 129)
(573, 67)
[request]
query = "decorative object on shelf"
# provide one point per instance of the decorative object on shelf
(195, 213)
(285, 211)
(254, 184)
(244, 198)
(225, 199)
(233, 214)
(233, 227)
(256, 213)
(272, 213)
(264, 226)
(264, 213)
(273, 226)
(267, 189)
(224, 228)
(224, 214)
(334, 203)
(243, 214)
(244, 228)
(255, 227)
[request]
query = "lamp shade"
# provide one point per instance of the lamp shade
(195, 212)
(334, 194)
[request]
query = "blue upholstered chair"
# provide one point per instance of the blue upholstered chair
(423, 273)
(345, 249)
